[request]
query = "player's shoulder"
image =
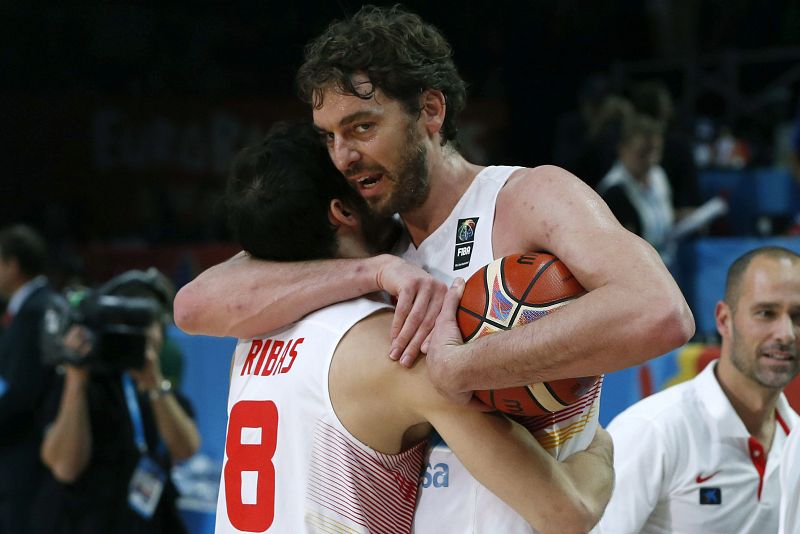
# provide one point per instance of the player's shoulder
(360, 360)
(543, 181)
(668, 410)
(554, 203)
(368, 340)
(542, 174)
(362, 367)
(365, 349)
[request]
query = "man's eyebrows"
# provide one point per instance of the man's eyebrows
(347, 119)
(357, 116)
(765, 304)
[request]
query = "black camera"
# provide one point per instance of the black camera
(117, 316)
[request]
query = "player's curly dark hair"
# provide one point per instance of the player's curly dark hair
(278, 193)
(400, 53)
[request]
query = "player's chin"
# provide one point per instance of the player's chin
(778, 374)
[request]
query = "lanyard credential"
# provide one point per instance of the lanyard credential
(148, 479)
(135, 412)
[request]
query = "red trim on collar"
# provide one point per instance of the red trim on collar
(759, 459)
(781, 422)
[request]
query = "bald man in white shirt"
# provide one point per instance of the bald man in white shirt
(704, 456)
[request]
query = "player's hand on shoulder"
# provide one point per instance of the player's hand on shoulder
(419, 300)
(445, 344)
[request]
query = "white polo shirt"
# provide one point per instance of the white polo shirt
(790, 485)
(685, 463)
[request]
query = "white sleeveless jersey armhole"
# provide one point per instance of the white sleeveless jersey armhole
(312, 476)
(451, 500)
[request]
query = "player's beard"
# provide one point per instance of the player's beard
(748, 361)
(411, 180)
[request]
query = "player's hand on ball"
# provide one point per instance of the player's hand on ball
(419, 300)
(444, 346)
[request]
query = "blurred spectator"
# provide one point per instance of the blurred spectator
(23, 377)
(652, 98)
(605, 134)
(636, 188)
(115, 429)
(587, 138)
(572, 128)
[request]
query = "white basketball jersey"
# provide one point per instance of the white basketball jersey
(459, 247)
(290, 465)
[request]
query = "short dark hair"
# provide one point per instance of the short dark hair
(401, 54)
(733, 282)
(278, 194)
(25, 245)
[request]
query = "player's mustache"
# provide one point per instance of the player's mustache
(788, 348)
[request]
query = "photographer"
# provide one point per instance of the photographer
(115, 428)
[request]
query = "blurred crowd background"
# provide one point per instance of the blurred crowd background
(119, 119)
(118, 122)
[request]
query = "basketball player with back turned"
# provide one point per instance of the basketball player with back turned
(385, 96)
(335, 435)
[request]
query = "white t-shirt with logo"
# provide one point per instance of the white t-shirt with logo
(685, 462)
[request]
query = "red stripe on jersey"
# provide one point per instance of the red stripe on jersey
(374, 490)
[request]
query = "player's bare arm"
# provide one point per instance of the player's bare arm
(244, 297)
(633, 310)
(592, 472)
(402, 405)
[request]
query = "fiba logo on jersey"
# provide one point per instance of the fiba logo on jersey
(465, 238)
(466, 230)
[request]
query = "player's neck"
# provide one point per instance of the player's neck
(450, 175)
(754, 403)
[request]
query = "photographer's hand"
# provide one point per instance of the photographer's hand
(78, 340)
(67, 445)
(176, 428)
(149, 377)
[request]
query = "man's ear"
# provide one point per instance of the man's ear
(433, 107)
(342, 215)
(724, 316)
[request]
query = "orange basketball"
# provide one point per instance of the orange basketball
(513, 291)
